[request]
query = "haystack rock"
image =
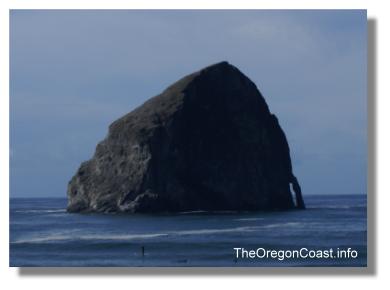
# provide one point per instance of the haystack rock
(208, 142)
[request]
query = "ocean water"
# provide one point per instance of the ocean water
(42, 233)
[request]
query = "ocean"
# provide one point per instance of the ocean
(42, 233)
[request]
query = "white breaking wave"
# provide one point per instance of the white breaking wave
(125, 237)
(41, 211)
(71, 236)
(50, 238)
(122, 237)
(61, 237)
(249, 219)
(278, 225)
(192, 212)
(214, 231)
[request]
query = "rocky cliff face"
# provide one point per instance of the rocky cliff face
(208, 142)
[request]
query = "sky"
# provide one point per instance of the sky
(72, 73)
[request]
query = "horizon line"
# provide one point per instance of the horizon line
(309, 194)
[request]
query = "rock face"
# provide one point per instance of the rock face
(208, 142)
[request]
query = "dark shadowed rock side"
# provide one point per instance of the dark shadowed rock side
(208, 142)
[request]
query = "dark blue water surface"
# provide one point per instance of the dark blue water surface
(42, 233)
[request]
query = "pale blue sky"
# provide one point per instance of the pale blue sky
(74, 72)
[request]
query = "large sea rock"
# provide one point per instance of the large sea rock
(208, 142)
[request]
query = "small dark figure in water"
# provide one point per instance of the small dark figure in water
(143, 251)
